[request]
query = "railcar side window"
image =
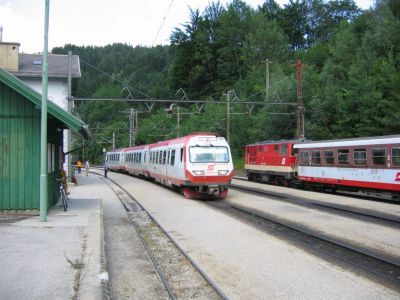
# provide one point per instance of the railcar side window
(315, 157)
(378, 156)
(328, 157)
(276, 148)
(343, 156)
(181, 154)
(173, 157)
(396, 156)
(360, 156)
(164, 157)
(284, 150)
(304, 158)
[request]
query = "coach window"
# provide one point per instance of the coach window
(173, 157)
(315, 157)
(284, 150)
(378, 156)
(164, 157)
(343, 156)
(304, 158)
(360, 157)
(328, 157)
(395, 156)
(181, 154)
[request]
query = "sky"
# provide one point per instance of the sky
(101, 22)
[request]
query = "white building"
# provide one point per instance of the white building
(28, 68)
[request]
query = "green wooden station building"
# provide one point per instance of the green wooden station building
(20, 110)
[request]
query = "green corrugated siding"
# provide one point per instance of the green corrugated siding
(19, 155)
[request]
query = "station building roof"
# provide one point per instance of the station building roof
(30, 65)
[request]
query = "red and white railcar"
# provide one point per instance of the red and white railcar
(271, 161)
(362, 163)
(135, 158)
(115, 160)
(199, 164)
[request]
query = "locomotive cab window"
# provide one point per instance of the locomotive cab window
(396, 156)
(315, 157)
(284, 151)
(207, 154)
(378, 156)
(295, 151)
(343, 156)
(304, 158)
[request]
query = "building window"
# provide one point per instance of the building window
(360, 157)
(315, 157)
(343, 156)
(304, 158)
(378, 156)
(396, 156)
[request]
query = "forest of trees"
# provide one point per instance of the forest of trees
(351, 75)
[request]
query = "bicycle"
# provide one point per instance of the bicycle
(63, 194)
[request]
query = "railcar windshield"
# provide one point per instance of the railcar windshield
(207, 154)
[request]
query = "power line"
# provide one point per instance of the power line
(162, 23)
(113, 77)
(186, 101)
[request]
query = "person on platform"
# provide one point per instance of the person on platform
(79, 165)
(87, 167)
(105, 168)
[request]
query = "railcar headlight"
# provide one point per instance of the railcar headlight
(223, 172)
(198, 172)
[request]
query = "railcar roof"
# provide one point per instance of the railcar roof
(274, 142)
(361, 141)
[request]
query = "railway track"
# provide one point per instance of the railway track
(379, 267)
(181, 276)
(370, 196)
(364, 214)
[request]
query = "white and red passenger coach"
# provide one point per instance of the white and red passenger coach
(360, 163)
(199, 164)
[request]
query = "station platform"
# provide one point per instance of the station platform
(62, 258)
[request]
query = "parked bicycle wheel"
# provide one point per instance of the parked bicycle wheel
(64, 199)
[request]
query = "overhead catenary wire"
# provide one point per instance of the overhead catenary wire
(113, 77)
(162, 23)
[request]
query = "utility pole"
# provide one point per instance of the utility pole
(113, 140)
(266, 62)
(69, 109)
(228, 117)
(300, 106)
(43, 127)
(132, 131)
(177, 121)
